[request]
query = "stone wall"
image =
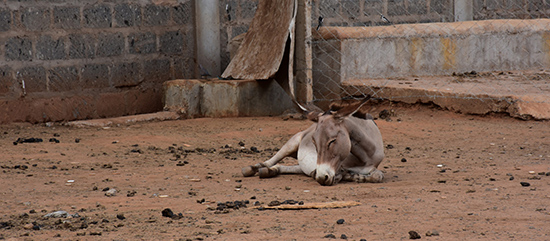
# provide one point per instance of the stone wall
(79, 59)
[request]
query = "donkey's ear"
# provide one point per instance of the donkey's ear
(350, 109)
(314, 115)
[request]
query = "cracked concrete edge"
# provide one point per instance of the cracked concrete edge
(522, 107)
(158, 116)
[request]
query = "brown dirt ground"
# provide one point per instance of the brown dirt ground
(191, 165)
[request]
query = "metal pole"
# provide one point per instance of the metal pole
(208, 37)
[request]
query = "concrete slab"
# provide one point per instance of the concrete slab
(194, 98)
(524, 94)
(159, 116)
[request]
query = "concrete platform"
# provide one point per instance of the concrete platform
(524, 94)
(193, 98)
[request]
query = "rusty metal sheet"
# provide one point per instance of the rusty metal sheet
(261, 52)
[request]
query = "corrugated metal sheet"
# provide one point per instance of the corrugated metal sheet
(261, 52)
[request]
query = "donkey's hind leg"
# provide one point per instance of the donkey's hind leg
(289, 148)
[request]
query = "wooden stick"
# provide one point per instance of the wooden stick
(338, 204)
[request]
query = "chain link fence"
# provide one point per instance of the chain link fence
(421, 49)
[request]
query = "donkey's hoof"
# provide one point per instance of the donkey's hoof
(266, 172)
(249, 171)
(377, 176)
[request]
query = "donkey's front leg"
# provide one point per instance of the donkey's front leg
(374, 176)
(289, 148)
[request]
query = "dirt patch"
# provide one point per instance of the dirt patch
(448, 177)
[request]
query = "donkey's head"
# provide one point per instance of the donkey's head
(332, 141)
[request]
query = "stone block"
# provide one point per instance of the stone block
(19, 48)
(171, 42)
(81, 46)
(248, 8)
(63, 79)
(110, 44)
(229, 10)
(110, 104)
(184, 13)
(351, 9)
(189, 43)
(6, 80)
(142, 43)
(441, 7)
(95, 76)
(157, 70)
(5, 19)
(34, 79)
(418, 7)
(155, 15)
(329, 8)
(66, 17)
(36, 18)
(396, 8)
(97, 16)
(238, 30)
(48, 48)
(127, 15)
(184, 68)
(126, 74)
(203, 98)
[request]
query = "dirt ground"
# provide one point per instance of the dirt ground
(448, 177)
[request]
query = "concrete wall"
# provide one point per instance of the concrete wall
(78, 59)
(351, 53)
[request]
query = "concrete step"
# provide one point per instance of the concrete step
(524, 95)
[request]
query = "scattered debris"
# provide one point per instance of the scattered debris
(337, 204)
(414, 235)
(27, 140)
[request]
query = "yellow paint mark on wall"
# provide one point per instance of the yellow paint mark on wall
(448, 48)
(415, 50)
(546, 46)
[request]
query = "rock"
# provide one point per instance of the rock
(414, 235)
(343, 236)
(432, 233)
(525, 184)
(330, 236)
(111, 192)
(403, 160)
(340, 221)
(167, 213)
(120, 216)
(57, 214)
(28, 226)
(384, 114)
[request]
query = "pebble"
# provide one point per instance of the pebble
(167, 213)
(330, 236)
(414, 235)
(57, 214)
(340, 221)
(343, 236)
(120, 216)
(525, 184)
(432, 233)
(111, 192)
(403, 160)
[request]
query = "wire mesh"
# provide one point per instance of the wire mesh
(390, 53)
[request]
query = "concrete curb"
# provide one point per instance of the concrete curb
(159, 116)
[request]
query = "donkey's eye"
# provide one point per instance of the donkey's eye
(331, 142)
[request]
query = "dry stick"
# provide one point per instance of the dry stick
(339, 204)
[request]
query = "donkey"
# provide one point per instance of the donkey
(342, 144)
